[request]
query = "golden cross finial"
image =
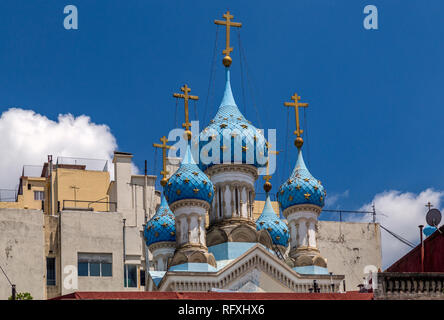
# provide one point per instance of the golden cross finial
(164, 148)
(296, 104)
(185, 96)
(267, 177)
(228, 23)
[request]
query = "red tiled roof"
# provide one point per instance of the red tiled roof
(143, 295)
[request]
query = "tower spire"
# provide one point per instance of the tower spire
(298, 142)
(228, 23)
(185, 96)
(164, 148)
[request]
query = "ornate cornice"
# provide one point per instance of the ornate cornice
(232, 167)
(162, 245)
(189, 203)
(302, 208)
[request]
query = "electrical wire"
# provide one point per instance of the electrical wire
(7, 278)
(213, 64)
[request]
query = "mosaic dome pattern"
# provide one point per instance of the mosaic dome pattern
(189, 182)
(161, 227)
(271, 222)
(301, 188)
(247, 143)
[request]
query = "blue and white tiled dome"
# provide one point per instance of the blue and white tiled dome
(301, 187)
(189, 182)
(271, 222)
(161, 227)
(229, 117)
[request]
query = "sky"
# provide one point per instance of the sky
(373, 129)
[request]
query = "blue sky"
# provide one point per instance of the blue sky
(375, 116)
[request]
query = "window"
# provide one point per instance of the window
(130, 276)
(142, 277)
(50, 272)
(94, 264)
(39, 195)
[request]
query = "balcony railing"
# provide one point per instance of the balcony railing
(410, 285)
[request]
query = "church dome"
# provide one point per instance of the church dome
(271, 222)
(246, 137)
(301, 187)
(161, 227)
(189, 182)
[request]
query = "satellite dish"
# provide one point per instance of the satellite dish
(433, 217)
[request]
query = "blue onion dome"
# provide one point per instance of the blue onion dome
(301, 187)
(189, 182)
(246, 137)
(161, 227)
(271, 222)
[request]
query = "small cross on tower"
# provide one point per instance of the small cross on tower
(296, 104)
(164, 148)
(228, 23)
(267, 177)
(429, 205)
(185, 96)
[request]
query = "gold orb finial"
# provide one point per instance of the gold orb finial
(163, 182)
(267, 186)
(187, 135)
(227, 61)
(298, 142)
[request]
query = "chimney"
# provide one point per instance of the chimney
(122, 176)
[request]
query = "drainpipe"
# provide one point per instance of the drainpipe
(124, 242)
(50, 204)
(144, 190)
(422, 247)
(13, 292)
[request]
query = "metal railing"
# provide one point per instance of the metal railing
(8, 195)
(88, 205)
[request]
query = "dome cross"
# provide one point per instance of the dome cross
(164, 148)
(185, 96)
(228, 23)
(296, 104)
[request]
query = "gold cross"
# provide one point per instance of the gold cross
(296, 104)
(268, 177)
(164, 148)
(185, 96)
(228, 23)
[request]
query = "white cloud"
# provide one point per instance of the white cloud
(403, 213)
(332, 199)
(27, 138)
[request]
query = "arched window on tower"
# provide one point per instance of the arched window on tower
(236, 194)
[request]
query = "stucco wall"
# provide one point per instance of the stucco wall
(93, 232)
(22, 252)
(349, 247)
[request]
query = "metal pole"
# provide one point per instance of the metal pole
(422, 247)
(13, 292)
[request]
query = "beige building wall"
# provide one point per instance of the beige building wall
(26, 200)
(22, 252)
(92, 232)
(349, 247)
(82, 185)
